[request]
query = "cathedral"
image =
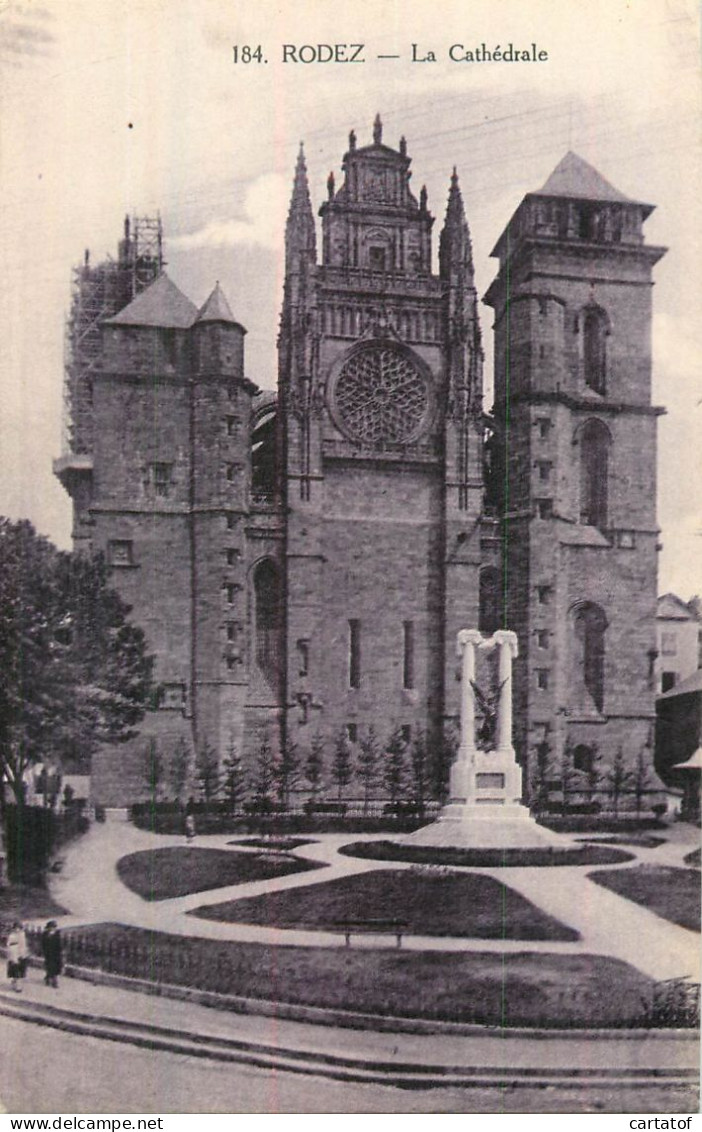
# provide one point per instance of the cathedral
(302, 561)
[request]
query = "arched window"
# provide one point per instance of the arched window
(595, 440)
(267, 601)
(589, 627)
(489, 617)
(595, 331)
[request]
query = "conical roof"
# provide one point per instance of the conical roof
(160, 304)
(575, 177)
(216, 308)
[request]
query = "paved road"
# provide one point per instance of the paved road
(47, 1071)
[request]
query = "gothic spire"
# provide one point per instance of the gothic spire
(377, 130)
(455, 250)
(300, 231)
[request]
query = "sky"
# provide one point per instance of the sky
(110, 107)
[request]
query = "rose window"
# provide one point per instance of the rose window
(381, 397)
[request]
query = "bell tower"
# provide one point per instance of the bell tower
(572, 303)
(380, 401)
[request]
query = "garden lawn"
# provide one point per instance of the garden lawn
(453, 904)
(485, 858)
(284, 844)
(161, 874)
(521, 989)
(671, 893)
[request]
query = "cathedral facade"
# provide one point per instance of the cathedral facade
(302, 561)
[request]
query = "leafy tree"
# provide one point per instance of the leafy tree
(314, 765)
(179, 767)
(368, 765)
(341, 771)
(234, 779)
(153, 770)
(619, 777)
(264, 771)
(207, 772)
(74, 671)
(395, 766)
(287, 771)
(419, 769)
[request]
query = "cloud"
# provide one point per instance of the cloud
(263, 222)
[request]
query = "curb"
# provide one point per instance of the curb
(357, 1020)
(410, 1075)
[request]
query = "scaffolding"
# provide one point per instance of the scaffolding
(99, 292)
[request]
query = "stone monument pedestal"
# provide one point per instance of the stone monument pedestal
(485, 810)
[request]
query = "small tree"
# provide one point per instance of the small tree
(419, 769)
(153, 770)
(207, 774)
(618, 777)
(593, 774)
(287, 771)
(642, 776)
(264, 772)
(314, 765)
(179, 768)
(395, 766)
(233, 780)
(341, 770)
(568, 776)
(368, 765)
(540, 778)
(442, 759)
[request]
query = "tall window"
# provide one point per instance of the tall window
(595, 349)
(408, 654)
(595, 443)
(268, 620)
(354, 654)
(589, 626)
(489, 619)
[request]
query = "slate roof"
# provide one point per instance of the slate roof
(575, 177)
(216, 308)
(159, 304)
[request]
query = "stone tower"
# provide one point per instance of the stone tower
(163, 492)
(577, 437)
(379, 430)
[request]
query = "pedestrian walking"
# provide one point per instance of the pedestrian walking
(17, 955)
(189, 827)
(52, 952)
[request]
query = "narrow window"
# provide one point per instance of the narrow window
(668, 681)
(354, 654)
(543, 594)
(231, 592)
(233, 556)
(595, 349)
(376, 259)
(231, 521)
(582, 758)
(231, 472)
(268, 620)
(542, 638)
(544, 426)
(544, 508)
(669, 644)
(352, 732)
(594, 471)
(544, 470)
(489, 609)
(542, 678)
(161, 478)
(168, 343)
(232, 426)
(303, 649)
(590, 624)
(408, 654)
